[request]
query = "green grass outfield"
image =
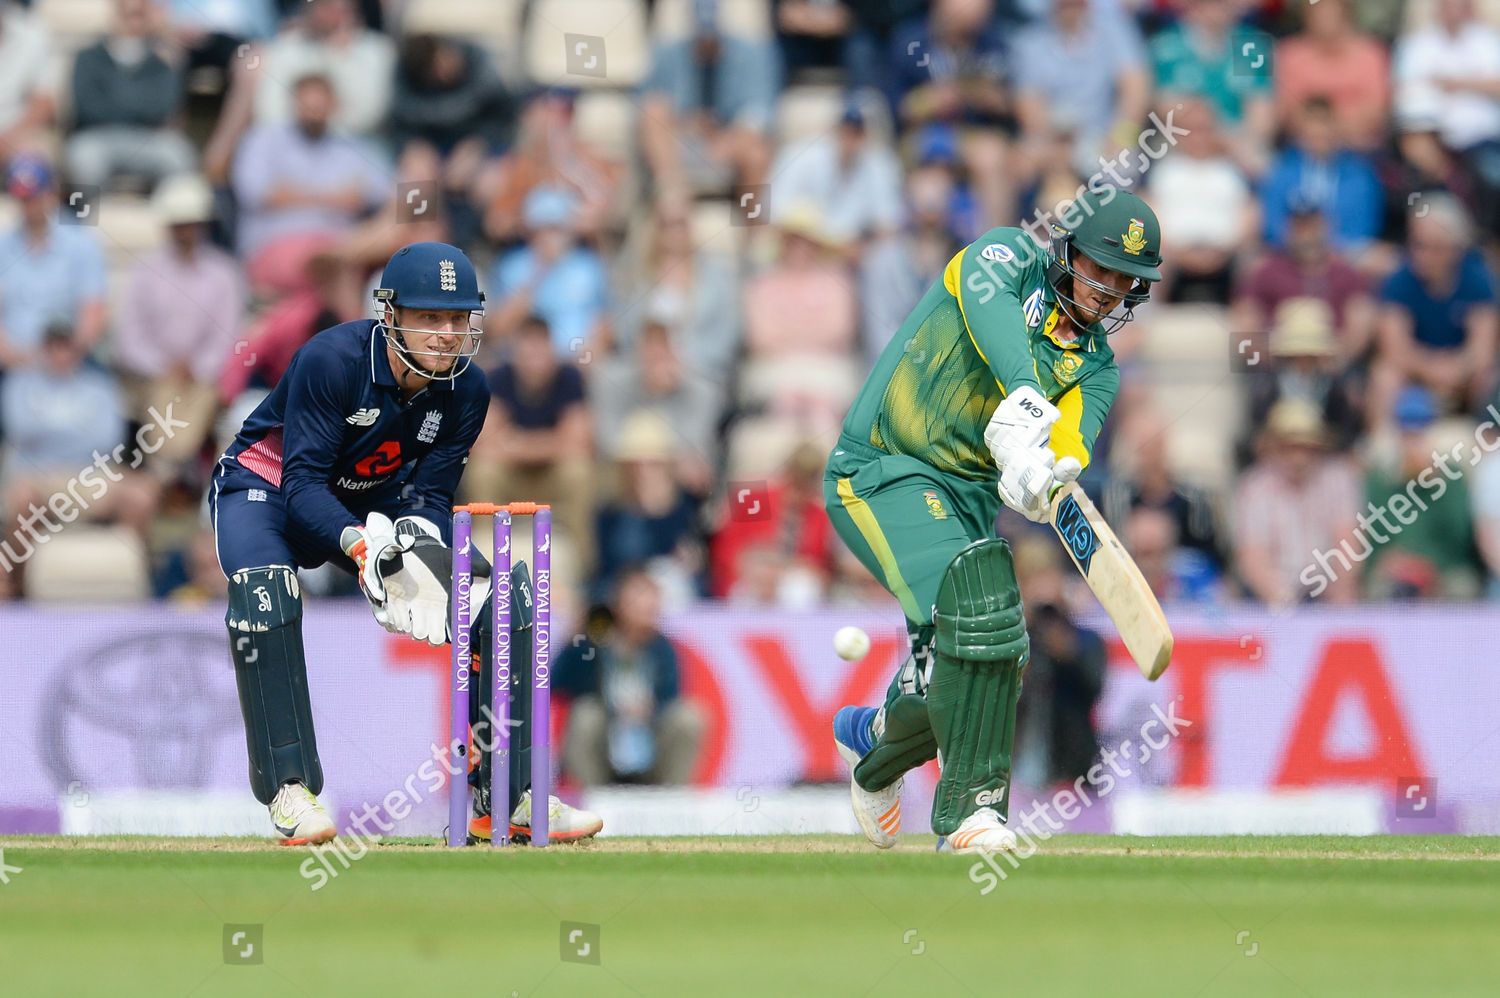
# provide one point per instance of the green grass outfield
(789, 915)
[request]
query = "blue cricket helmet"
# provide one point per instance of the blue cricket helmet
(431, 276)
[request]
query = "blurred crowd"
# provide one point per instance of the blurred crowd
(699, 221)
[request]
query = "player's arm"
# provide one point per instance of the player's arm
(1081, 411)
(986, 279)
(318, 399)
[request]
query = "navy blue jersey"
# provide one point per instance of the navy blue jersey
(338, 441)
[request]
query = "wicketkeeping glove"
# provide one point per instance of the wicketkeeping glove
(418, 581)
(369, 546)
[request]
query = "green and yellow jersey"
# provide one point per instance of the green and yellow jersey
(984, 329)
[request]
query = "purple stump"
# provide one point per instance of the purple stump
(500, 689)
(541, 678)
(463, 658)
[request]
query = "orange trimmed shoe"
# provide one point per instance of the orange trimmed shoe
(878, 813)
(982, 831)
(565, 823)
(299, 817)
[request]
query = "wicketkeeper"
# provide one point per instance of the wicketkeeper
(993, 390)
(354, 459)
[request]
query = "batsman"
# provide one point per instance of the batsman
(993, 391)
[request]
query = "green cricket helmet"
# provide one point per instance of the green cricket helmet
(1114, 229)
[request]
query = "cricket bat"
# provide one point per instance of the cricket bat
(1114, 578)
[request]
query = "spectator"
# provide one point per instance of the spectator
(126, 97)
(694, 292)
(1201, 245)
(1151, 538)
(1449, 71)
(26, 100)
(707, 106)
(300, 187)
(1084, 67)
(656, 379)
(951, 69)
(1308, 266)
(204, 583)
(1438, 319)
(811, 33)
(857, 182)
(1056, 741)
(894, 272)
(1304, 364)
(1317, 169)
(1417, 165)
(448, 95)
(1149, 483)
(211, 35)
(1198, 56)
(1294, 507)
(788, 521)
(181, 312)
(554, 277)
(261, 356)
(804, 302)
(651, 521)
(64, 417)
(49, 272)
(549, 152)
(801, 328)
(537, 441)
(1431, 553)
(627, 719)
(1331, 59)
(330, 40)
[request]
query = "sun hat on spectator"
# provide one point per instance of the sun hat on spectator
(183, 199)
(1297, 421)
(645, 436)
(1304, 328)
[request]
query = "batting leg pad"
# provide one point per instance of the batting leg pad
(265, 641)
(979, 652)
(906, 743)
(520, 689)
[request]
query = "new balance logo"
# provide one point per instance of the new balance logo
(363, 417)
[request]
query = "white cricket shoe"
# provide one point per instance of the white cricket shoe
(299, 817)
(982, 831)
(878, 813)
(565, 823)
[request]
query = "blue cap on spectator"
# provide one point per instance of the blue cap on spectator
(29, 176)
(853, 117)
(549, 207)
(937, 144)
(1415, 408)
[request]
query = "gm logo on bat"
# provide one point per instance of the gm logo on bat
(1076, 531)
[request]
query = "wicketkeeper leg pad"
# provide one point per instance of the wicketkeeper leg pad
(265, 641)
(980, 649)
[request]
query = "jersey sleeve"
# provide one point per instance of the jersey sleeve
(430, 491)
(317, 399)
(1081, 410)
(986, 278)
